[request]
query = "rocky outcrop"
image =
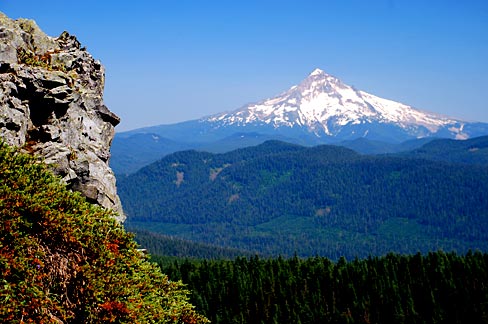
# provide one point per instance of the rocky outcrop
(51, 105)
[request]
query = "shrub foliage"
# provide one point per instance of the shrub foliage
(65, 260)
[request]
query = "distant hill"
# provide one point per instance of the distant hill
(365, 146)
(131, 153)
(280, 198)
(471, 151)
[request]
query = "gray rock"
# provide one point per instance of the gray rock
(51, 105)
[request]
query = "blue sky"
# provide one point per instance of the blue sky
(170, 61)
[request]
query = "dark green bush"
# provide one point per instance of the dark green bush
(63, 259)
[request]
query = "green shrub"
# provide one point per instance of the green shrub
(63, 259)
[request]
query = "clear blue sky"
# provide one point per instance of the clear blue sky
(173, 60)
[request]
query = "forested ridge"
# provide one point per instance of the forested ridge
(471, 151)
(171, 246)
(437, 287)
(281, 199)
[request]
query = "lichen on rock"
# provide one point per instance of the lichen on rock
(51, 105)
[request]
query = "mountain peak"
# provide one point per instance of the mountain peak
(319, 77)
(324, 106)
(317, 71)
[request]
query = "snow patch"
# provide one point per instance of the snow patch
(317, 72)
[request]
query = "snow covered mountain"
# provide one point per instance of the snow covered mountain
(324, 106)
(319, 110)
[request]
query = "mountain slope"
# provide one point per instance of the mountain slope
(325, 106)
(279, 198)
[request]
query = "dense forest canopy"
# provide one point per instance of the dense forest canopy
(281, 199)
(436, 287)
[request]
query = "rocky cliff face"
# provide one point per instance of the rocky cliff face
(51, 105)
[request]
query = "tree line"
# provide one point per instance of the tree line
(437, 287)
